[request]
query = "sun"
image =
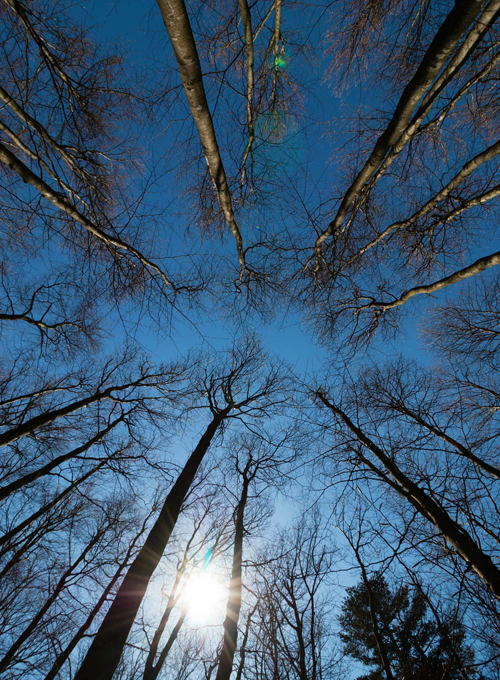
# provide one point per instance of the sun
(205, 598)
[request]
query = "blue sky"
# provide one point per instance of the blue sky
(138, 30)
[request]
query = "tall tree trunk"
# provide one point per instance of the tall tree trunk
(234, 600)
(450, 33)
(30, 628)
(48, 417)
(105, 652)
(276, 50)
(453, 532)
(153, 672)
(299, 632)
(150, 666)
(382, 651)
(8, 489)
(248, 33)
(178, 26)
(243, 647)
(76, 639)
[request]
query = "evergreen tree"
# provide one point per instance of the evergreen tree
(379, 623)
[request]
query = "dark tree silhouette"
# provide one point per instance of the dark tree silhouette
(378, 622)
(246, 389)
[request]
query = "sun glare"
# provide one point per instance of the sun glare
(205, 598)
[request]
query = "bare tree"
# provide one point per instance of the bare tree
(94, 401)
(242, 56)
(65, 653)
(254, 461)
(396, 222)
(177, 23)
(71, 180)
(209, 527)
(292, 623)
(234, 394)
(467, 329)
(396, 461)
(88, 551)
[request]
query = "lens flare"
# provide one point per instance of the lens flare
(205, 598)
(280, 62)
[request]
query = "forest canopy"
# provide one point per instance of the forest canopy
(249, 324)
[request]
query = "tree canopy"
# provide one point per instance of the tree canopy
(249, 324)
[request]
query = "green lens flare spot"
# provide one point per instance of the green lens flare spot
(280, 62)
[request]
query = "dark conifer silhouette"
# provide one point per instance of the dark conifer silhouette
(392, 632)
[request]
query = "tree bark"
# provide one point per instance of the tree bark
(178, 26)
(234, 601)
